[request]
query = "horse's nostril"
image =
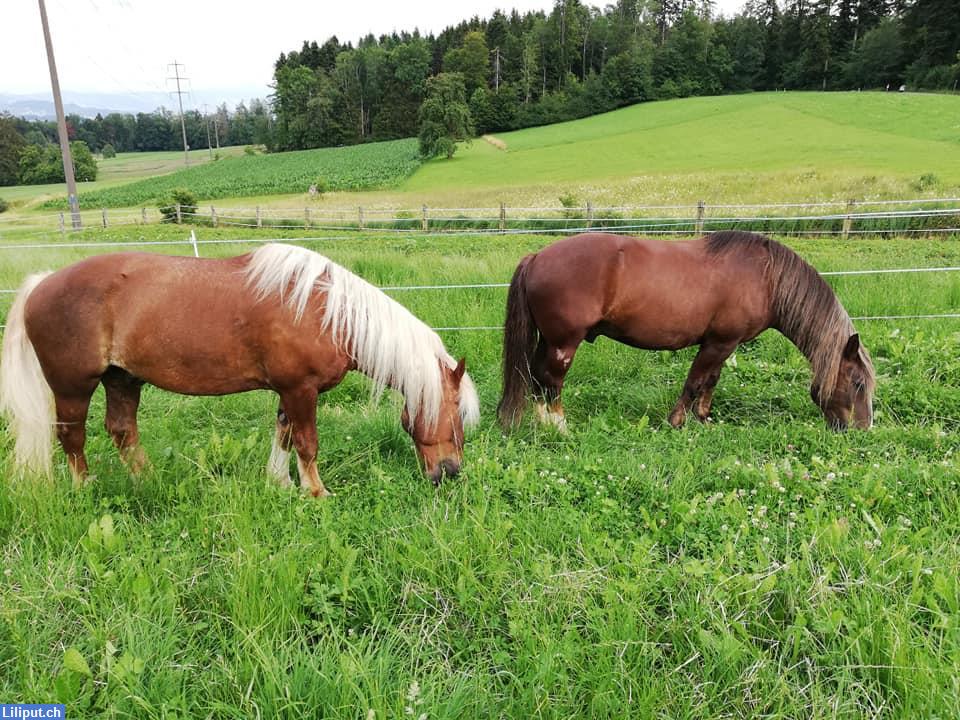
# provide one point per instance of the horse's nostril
(451, 468)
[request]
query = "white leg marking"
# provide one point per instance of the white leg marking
(541, 409)
(278, 467)
(547, 416)
(310, 479)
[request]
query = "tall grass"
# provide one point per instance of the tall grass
(756, 566)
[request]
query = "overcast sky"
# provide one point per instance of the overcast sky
(227, 48)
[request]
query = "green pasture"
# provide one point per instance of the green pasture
(763, 147)
(757, 566)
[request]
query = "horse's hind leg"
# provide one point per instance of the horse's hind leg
(123, 400)
(701, 380)
(278, 467)
(550, 366)
(300, 407)
(72, 430)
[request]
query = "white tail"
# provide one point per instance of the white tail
(25, 398)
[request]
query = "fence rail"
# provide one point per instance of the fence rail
(852, 217)
(194, 244)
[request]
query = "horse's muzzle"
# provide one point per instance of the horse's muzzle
(837, 425)
(448, 468)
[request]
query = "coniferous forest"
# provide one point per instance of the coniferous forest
(515, 71)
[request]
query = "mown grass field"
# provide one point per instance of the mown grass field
(767, 146)
(759, 566)
(119, 170)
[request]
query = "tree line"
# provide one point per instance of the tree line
(30, 154)
(518, 70)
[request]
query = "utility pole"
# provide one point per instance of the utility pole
(61, 124)
(183, 127)
(206, 122)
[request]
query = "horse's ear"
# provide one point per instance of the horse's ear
(460, 369)
(852, 350)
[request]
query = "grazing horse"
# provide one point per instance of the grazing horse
(281, 318)
(716, 292)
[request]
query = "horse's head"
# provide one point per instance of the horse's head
(440, 446)
(853, 393)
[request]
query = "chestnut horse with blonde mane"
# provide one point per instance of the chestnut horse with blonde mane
(716, 291)
(281, 318)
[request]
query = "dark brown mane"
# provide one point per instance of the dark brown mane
(726, 241)
(806, 308)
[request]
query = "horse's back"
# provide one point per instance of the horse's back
(152, 315)
(649, 293)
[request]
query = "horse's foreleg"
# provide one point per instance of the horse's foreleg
(300, 408)
(701, 380)
(123, 400)
(72, 431)
(278, 466)
(705, 401)
(550, 366)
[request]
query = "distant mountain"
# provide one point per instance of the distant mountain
(39, 106)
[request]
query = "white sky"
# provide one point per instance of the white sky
(125, 46)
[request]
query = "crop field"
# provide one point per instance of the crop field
(119, 170)
(358, 167)
(756, 566)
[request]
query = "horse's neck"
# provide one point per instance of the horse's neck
(387, 369)
(818, 336)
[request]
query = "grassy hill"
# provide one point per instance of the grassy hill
(735, 146)
(762, 147)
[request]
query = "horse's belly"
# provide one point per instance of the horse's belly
(654, 325)
(647, 337)
(191, 375)
(205, 361)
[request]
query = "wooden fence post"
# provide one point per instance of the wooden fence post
(259, 218)
(701, 213)
(179, 215)
(589, 214)
(360, 217)
(503, 217)
(213, 216)
(103, 214)
(306, 217)
(143, 215)
(848, 220)
(63, 229)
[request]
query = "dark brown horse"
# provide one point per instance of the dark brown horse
(716, 292)
(282, 318)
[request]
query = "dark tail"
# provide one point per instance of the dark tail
(519, 342)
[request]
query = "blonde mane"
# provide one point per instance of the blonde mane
(388, 343)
